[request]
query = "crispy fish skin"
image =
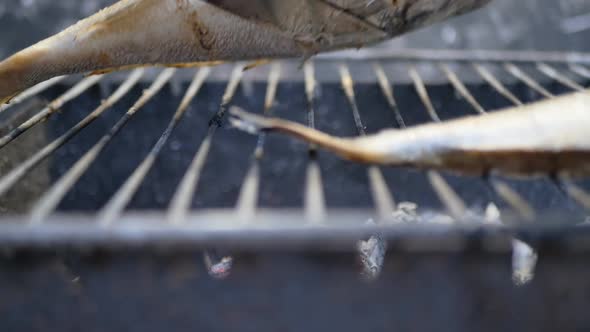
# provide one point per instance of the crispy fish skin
(544, 138)
(142, 32)
(171, 32)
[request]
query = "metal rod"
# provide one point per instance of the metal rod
(248, 198)
(461, 88)
(283, 229)
(526, 79)
(180, 204)
(10, 179)
(496, 84)
(580, 70)
(516, 201)
(372, 251)
(218, 267)
(55, 194)
(423, 93)
(551, 72)
(348, 88)
(458, 55)
(112, 210)
(384, 202)
(445, 192)
(387, 91)
(53, 107)
(575, 192)
(314, 201)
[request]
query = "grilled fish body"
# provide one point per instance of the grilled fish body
(170, 32)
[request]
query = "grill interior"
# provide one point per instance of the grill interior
(156, 163)
(146, 159)
(144, 152)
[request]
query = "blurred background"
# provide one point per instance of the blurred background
(505, 24)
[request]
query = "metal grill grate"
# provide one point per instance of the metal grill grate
(249, 224)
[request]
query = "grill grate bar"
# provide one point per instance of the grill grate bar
(112, 210)
(580, 70)
(528, 80)
(37, 89)
(55, 194)
(447, 195)
(459, 56)
(461, 88)
(575, 192)
(348, 87)
(516, 201)
(372, 251)
(314, 201)
(552, 73)
(53, 107)
(217, 228)
(423, 93)
(248, 199)
(487, 76)
(387, 91)
(246, 205)
(382, 197)
(180, 204)
(10, 179)
(445, 192)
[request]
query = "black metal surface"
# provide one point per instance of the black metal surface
(289, 292)
(280, 230)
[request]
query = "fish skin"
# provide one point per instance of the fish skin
(134, 33)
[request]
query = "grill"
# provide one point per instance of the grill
(129, 203)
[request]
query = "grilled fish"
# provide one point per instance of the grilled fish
(545, 138)
(172, 32)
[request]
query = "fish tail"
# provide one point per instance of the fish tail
(348, 148)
